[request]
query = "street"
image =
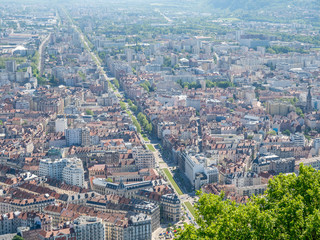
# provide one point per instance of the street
(162, 163)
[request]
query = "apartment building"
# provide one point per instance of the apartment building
(279, 108)
(73, 136)
(10, 222)
(139, 228)
(197, 170)
(61, 125)
(89, 228)
(243, 179)
(69, 170)
(103, 187)
(73, 174)
(26, 205)
(170, 204)
(143, 158)
(273, 163)
(118, 204)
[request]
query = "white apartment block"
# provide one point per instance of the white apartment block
(78, 136)
(52, 168)
(197, 170)
(69, 170)
(61, 124)
(89, 228)
(73, 136)
(140, 227)
(143, 158)
(73, 174)
(299, 139)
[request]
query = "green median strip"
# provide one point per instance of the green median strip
(145, 138)
(170, 178)
(190, 208)
(151, 148)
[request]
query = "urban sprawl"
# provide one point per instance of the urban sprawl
(113, 117)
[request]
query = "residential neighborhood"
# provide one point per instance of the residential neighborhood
(115, 118)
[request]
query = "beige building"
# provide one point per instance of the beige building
(117, 204)
(279, 108)
(136, 227)
(313, 162)
(26, 205)
(170, 204)
(10, 222)
(104, 187)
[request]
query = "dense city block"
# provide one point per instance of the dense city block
(121, 119)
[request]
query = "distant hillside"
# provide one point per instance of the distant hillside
(260, 4)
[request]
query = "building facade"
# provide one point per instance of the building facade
(89, 228)
(143, 158)
(69, 170)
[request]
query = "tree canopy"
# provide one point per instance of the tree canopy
(289, 209)
(89, 112)
(144, 122)
(17, 237)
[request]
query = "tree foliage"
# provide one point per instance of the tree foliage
(147, 86)
(272, 132)
(109, 180)
(136, 123)
(299, 111)
(144, 122)
(284, 49)
(286, 132)
(289, 209)
(82, 75)
(89, 112)
(17, 237)
(123, 106)
(209, 84)
(188, 85)
(132, 107)
(116, 83)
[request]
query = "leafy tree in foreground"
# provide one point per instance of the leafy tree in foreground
(289, 209)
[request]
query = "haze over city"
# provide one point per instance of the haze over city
(153, 120)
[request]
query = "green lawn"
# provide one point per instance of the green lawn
(190, 208)
(151, 148)
(174, 184)
(145, 138)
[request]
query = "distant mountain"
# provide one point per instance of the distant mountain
(260, 4)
